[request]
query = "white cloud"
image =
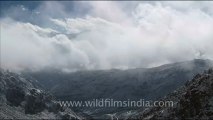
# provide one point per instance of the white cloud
(155, 34)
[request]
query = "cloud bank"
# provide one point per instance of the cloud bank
(109, 35)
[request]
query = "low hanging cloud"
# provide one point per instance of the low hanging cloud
(153, 34)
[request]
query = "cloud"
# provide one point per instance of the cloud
(150, 34)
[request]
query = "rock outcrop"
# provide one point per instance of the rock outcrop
(22, 98)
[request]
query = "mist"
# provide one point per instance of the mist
(105, 35)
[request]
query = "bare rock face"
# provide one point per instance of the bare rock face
(37, 101)
(15, 96)
(22, 98)
(193, 101)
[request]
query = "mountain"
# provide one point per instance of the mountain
(22, 98)
(25, 96)
(133, 84)
(194, 100)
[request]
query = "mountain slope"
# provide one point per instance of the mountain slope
(22, 98)
(193, 101)
(119, 83)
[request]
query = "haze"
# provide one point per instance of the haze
(72, 36)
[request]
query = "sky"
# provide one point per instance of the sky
(94, 35)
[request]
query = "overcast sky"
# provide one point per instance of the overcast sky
(72, 36)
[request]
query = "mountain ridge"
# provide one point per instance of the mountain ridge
(194, 100)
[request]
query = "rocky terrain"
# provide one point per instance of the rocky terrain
(22, 98)
(193, 101)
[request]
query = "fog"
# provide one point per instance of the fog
(105, 35)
